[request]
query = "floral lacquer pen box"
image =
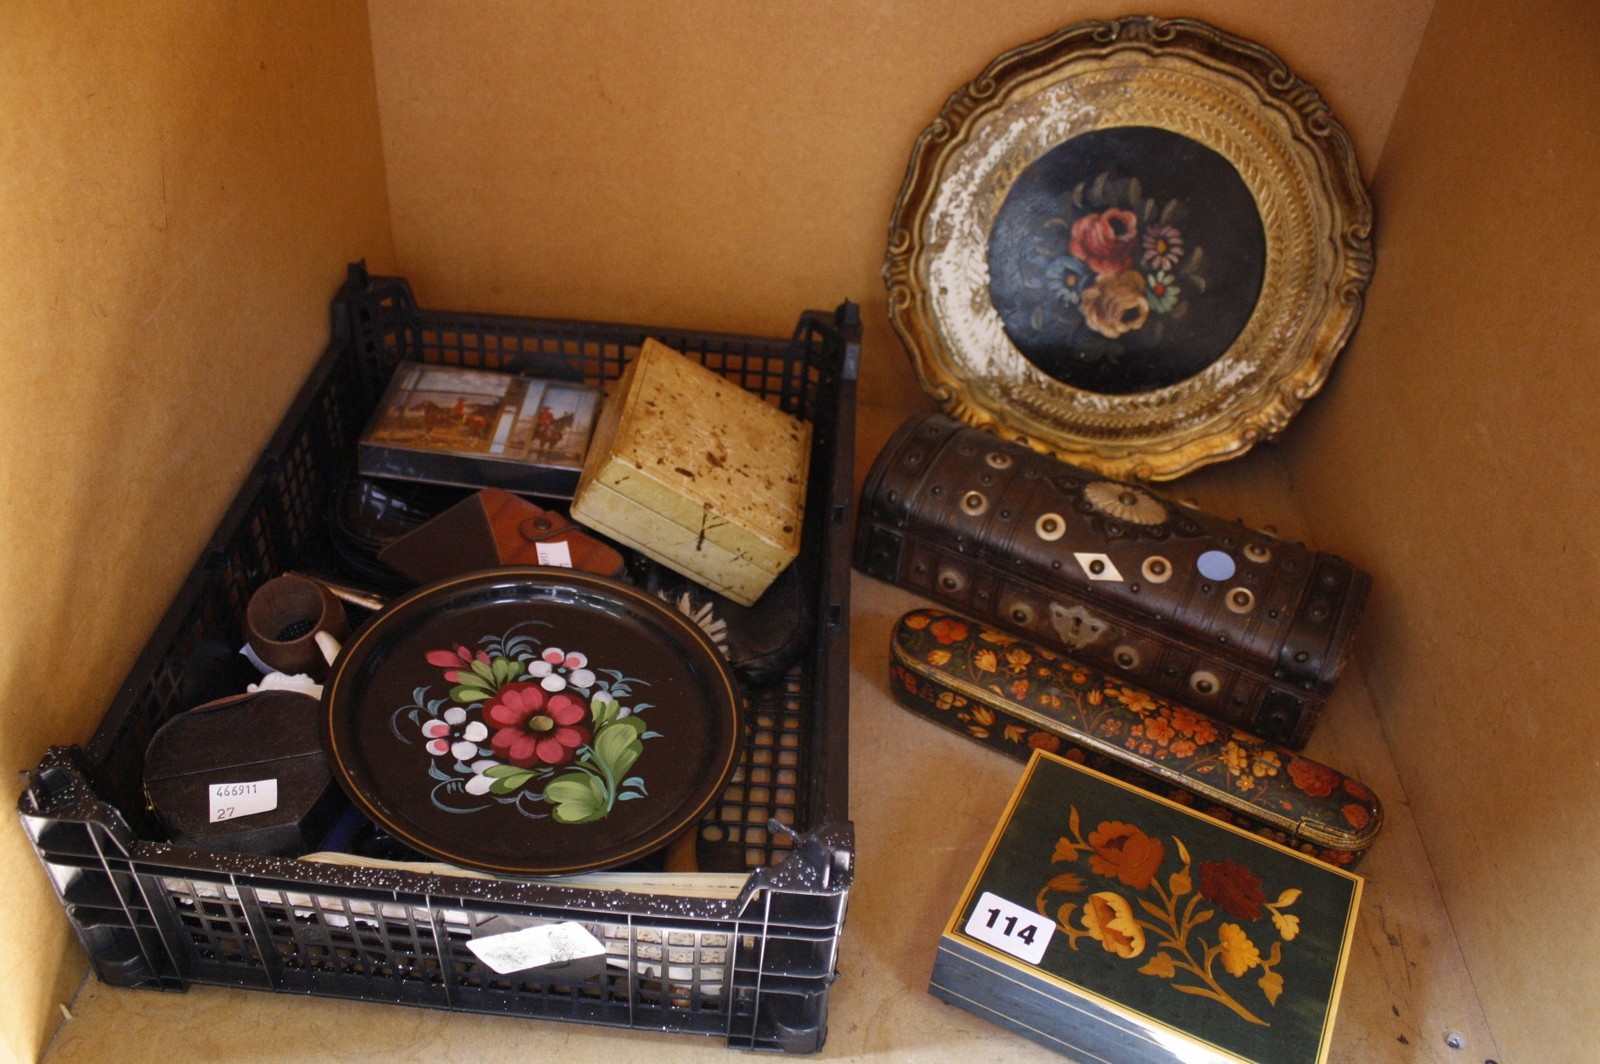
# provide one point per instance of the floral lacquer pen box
(1112, 924)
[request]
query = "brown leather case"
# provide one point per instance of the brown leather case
(1236, 623)
(489, 529)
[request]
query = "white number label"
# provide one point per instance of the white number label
(1020, 932)
(557, 553)
(230, 801)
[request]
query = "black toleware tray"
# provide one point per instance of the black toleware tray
(754, 970)
(533, 721)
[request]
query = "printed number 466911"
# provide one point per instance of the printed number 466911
(230, 801)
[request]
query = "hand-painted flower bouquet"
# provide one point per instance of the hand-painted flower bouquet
(1113, 261)
(530, 726)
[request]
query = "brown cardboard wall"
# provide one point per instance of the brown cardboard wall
(721, 164)
(185, 182)
(1455, 455)
(180, 187)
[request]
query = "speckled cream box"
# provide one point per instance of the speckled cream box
(697, 473)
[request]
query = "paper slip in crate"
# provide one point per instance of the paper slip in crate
(1016, 696)
(1113, 925)
(698, 473)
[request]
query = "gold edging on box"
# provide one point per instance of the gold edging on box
(953, 929)
(1310, 830)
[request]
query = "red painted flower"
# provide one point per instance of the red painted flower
(1314, 779)
(948, 631)
(1106, 241)
(456, 661)
(1233, 888)
(536, 727)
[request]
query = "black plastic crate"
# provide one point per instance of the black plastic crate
(755, 969)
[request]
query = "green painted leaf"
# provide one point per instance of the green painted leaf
(624, 761)
(463, 693)
(509, 783)
(483, 668)
(577, 797)
(578, 812)
(469, 678)
(568, 787)
(635, 722)
(612, 740)
(604, 710)
(496, 771)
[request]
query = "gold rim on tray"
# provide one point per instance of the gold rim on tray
(1136, 244)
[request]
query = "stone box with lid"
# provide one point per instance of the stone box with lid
(696, 472)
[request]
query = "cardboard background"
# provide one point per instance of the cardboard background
(181, 186)
(183, 183)
(1454, 455)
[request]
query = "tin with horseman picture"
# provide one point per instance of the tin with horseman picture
(481, 428)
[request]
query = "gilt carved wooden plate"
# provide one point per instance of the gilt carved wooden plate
(532, 721)
(1136, 244)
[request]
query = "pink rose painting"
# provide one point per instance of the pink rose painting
(1125, 259)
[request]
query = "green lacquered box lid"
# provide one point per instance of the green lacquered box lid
(1199, 933)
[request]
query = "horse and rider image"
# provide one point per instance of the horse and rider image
(549, 430)
(502, 416)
